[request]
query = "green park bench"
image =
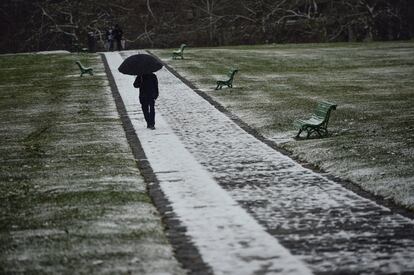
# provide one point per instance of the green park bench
(179, 52)
(318, 122)
(228, 82)
(83, 69)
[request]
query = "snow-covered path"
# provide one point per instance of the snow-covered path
(209, 168)
(228, 239)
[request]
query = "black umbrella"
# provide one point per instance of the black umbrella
(139, 64)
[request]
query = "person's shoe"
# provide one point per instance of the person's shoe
(152, 127)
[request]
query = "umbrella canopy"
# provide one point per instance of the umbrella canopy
(139, 64)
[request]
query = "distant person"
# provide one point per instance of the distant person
(91, 42)
(148, 93)
(118, 33)
(110, 38)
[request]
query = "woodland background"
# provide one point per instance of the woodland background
(37, 25)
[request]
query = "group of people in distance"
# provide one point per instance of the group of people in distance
(114, 38)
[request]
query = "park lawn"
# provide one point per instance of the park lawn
(372, 131)
(72, 200)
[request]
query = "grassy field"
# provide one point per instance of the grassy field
(72, 200)
(372, 131)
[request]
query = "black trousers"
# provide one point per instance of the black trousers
(118, 45)
(111, 45)
(148, 108)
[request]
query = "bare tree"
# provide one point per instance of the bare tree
(54, 24)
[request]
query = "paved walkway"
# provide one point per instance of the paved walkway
(214, 174)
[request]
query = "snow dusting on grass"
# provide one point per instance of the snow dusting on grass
(72, 200)
(373, 127)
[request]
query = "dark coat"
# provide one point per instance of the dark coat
(117, 33)
(148, 86)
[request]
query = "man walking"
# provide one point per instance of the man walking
(148, 93)
(110, 38)
(118, 33)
